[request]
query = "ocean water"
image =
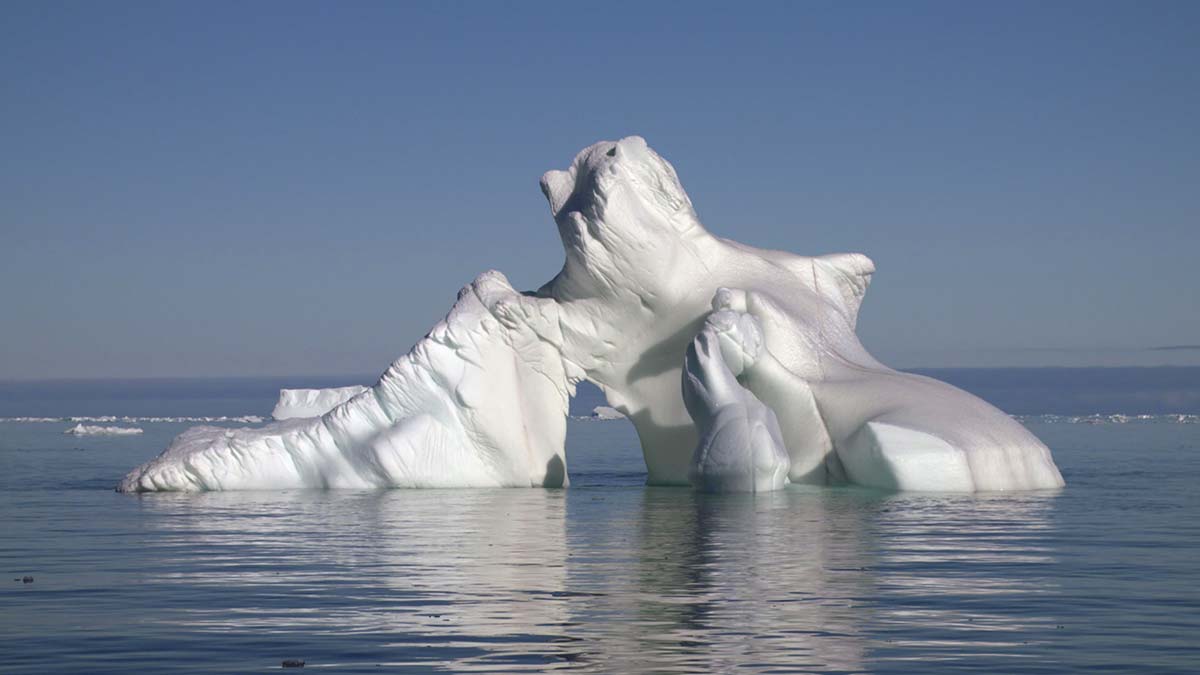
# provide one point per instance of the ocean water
(607, 575)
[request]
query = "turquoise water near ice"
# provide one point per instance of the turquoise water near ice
(605, 576)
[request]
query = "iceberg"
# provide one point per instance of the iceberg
(295, 403)
(739, 368)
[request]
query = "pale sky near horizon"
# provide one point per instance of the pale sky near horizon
(301, 188)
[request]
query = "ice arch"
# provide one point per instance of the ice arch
(481, 400)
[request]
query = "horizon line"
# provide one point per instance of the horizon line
(111, 378)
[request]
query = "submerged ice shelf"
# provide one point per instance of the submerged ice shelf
(739, 367)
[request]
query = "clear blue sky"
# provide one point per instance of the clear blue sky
(266, 188)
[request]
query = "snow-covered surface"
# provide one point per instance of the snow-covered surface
(482, 399)
(92, 430)
(741, 447)
(295, 403)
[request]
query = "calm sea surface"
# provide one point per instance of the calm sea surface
(607, 575)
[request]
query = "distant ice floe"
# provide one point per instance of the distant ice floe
(603, 413)
(126, 419)
(1096, 418)
(86, 430)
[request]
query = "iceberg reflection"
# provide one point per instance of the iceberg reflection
(403, 577)
(708, 583)
(622, 579)
(962, 576)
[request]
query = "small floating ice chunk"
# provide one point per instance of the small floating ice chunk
(294, 403)
(82, 429)
(603, 412)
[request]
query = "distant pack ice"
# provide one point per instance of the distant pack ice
(653, 309)
(82, 429)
